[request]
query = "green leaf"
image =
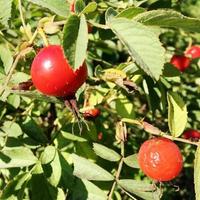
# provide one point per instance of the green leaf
(12, 129)
(91, 7)
(151, 95)
(79, 6)
(48, 155)
(16, 157)
(132, 161)
(135, 185)
(106, 153)
(85, 169)
(177, 114)
(60, 7)
(110, 14)
(197, 173)
(41, 189)
(6, 56)
(73, 137)
(30, 127)
(67, 177)
(140, 188)
(124, 107)
(129, 13)
(168, 19)
(5, 11)
(14, 100)
(143, 45)
(75, 40)
(84, 189)
(84, 149)
(53, 169)
(36, 96)
(15, 188)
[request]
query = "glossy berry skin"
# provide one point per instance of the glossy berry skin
(191, 134)
(180, 62)
(160, 159)
(193, 52)
(91, 113)
(52, 75)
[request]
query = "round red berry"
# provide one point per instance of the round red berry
(72, 7)
(180, 62)
(160, 159)
(191, 134)
(91, 113)
(193, 52)
(52, 75)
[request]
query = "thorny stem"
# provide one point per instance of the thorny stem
(22, 19)
(118, 172)
(160, 133)
(14, 65)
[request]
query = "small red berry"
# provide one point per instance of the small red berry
(160, 159)
(180, 62)
(193, 52)
(91, 113)
(90, 28)
(72, 6)
(100, 136)
(191, 134)
(52, 75)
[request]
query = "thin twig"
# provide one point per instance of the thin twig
(14, 65)
(128, 194)
(118, 172)
(155, 131)
(22, 19)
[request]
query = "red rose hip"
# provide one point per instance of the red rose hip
(193, 52)
(160, 159)
(180, 62)
(191, 134)
(52, 75)
(72, 6)
(91, 113)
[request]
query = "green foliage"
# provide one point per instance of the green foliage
(177, 114)
(6, 57)
(168, 18)
(16, 157)
(139, 188)
(46, 153)
(59, 7)
(75, 40)
(143, 45)
(5, 13)
(87, 170)
(106, 153)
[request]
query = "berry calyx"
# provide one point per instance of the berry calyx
(180, 62)
(52, 75)
(193, 52)
(91, 113)
(160, 159)
(191, 134)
